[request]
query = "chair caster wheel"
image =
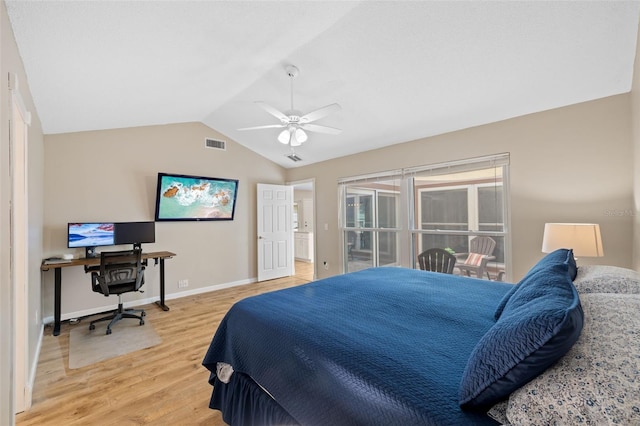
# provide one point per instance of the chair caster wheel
(141, 322)
(92, 327)
(108, 331)
(143, 313)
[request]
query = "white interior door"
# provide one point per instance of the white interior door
(275, 231)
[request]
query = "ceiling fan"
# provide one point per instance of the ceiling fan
(295, 124)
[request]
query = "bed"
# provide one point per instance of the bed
(392, 346)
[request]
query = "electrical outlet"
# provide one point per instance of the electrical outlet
(183, 283)
(326, 265)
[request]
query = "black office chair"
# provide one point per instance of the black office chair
(437, 260)
(119, 272)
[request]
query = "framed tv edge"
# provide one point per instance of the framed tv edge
(185, 197)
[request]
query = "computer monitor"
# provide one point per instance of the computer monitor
(135, 233)
(90, 235)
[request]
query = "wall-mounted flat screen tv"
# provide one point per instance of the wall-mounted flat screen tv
(185, 197)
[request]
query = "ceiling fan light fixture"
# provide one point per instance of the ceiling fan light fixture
(284, 136)
(301, 136)
(294, 139)
(294, 124)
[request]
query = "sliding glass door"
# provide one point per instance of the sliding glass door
(370, 224)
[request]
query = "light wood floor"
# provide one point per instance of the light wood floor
(162, 385)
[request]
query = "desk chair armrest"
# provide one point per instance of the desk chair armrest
(140, 279)
(91, 268)
(97, 280)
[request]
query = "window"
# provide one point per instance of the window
(456, 204)
(387, 219)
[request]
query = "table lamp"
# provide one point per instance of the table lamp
(583, 238)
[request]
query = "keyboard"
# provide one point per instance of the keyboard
(56, 260)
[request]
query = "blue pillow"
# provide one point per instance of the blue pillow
(559, 256)
(556, 257)
(539, 323)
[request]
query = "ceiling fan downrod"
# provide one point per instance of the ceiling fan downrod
(292, 72)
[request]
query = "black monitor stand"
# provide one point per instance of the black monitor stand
(90, 252)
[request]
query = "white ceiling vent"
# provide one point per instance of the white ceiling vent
(215, 144)
(294, 157)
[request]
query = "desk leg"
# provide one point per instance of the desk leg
(161, 301)
(57, 300)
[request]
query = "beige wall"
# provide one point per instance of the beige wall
(111, 176)
(635, 121)
(299, 194)
(10, 62)
(571, 164)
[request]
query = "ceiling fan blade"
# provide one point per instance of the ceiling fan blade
(319, 113)
(321, 129)
(268, 126)
(273, 111)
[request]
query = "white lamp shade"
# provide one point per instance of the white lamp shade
(583, 238)
(301, 136)
(298, 136)
(284, 136)
(292, 136)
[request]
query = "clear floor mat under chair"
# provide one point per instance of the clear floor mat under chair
(88, 347)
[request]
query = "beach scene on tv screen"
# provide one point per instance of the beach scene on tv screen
(195, 198)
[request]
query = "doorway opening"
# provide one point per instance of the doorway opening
(304, 228)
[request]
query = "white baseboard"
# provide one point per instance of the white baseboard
(171, 296)
(28, 391)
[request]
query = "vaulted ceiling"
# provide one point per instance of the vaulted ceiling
(401, 70)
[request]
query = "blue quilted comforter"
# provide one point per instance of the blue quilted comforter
(383, 346)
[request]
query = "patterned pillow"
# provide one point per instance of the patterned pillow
(607, 279)
(598, 381)
(474, 259)
(499, 412)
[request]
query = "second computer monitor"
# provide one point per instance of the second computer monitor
(135, 233)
